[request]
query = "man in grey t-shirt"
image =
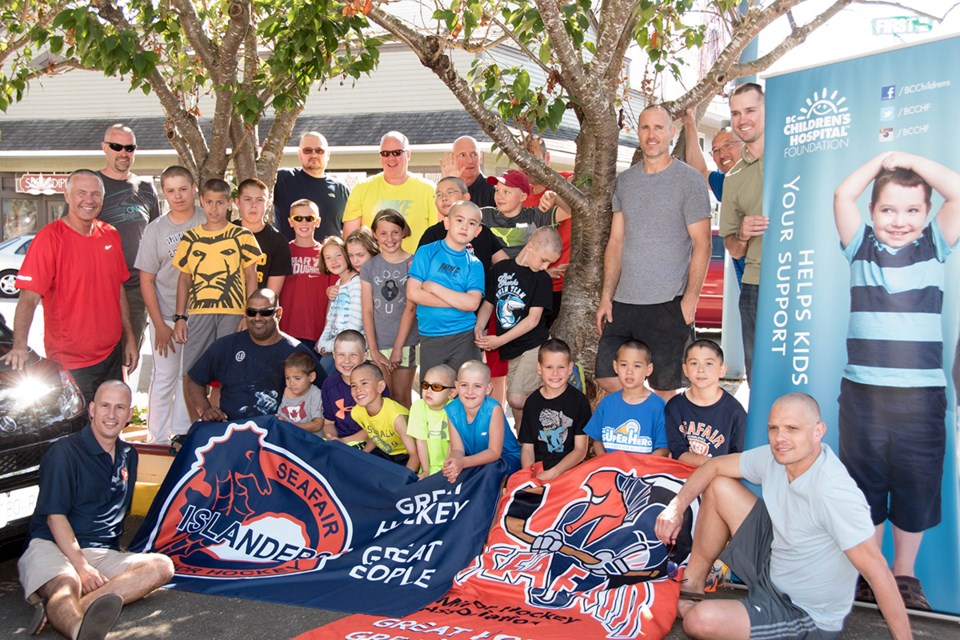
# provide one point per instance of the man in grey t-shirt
(129, 204)
(656, 258)
(798, 549)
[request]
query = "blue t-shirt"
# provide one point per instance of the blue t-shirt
(250, 375)
(337, 403)
(635, 428)
(716, 184)
(79, 480)
(455, 270)
(476, 434)
(709, 431)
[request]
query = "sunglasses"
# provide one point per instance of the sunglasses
(303, 218)
(129, 148)
(396, 153)
(263, 313)
(435, 386)
(314, 151)
(673, 569)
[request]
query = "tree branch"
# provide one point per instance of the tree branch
(191, 24)
(898, 5)
(615, 24)
(570, 63)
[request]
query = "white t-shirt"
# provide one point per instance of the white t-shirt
(815, 519)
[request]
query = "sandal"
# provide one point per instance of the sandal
(912, 593)
(864, 593)
(100, 617)
(176, 443)
(39, 618)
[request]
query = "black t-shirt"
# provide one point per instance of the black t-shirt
(481, 192)
(483, 246)
(274, 257)
(129, 205)
(329, 195)
(708, 431)
(513, 290)
(551, 425)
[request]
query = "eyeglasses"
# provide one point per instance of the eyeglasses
(129, 148)
(723, 147)
(263, 313)
(673, 569)
(447, 195)
(314, 151)
(303, 218)
(435, 386)
(396, 153)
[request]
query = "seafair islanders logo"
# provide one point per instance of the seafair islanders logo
(576, 555)
(822, 124)
(248, 508)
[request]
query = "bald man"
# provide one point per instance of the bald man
(466, 163)
(798, 548)
(73, 571)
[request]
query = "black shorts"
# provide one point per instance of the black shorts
(661, 327)
(400, 458)
(892, 441)
(772, 614)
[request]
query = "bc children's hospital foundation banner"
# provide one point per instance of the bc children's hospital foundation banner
(859, 286)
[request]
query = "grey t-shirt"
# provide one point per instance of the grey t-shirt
(155, 256)
(815, 519)
(302, 409)
(389, 284)
(657, 208)
(129, 205)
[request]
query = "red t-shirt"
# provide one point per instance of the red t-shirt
(304, 294)
(563, 228)
(79, 278)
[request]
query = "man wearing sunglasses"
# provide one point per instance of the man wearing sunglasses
(247, 364)
(129, 204)
(394, 188)
(310, 182)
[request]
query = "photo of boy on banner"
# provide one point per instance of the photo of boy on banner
(862, 310)
(893, 392)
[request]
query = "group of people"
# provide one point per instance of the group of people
(324, 320)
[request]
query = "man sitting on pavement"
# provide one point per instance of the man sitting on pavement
(248, 364)
(73, 570)
(798, 548)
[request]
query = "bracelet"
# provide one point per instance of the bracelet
(177, 317)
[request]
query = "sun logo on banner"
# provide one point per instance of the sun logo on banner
(248, 509)
(822, 124)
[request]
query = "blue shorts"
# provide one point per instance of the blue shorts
(892, 441)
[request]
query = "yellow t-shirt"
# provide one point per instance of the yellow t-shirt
(414, 199)
(215, 261)
(380, 427)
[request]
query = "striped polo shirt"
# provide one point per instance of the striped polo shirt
(895, 337)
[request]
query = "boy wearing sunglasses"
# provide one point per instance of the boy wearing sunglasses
(429, 425)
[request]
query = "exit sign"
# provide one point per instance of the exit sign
(901, 24)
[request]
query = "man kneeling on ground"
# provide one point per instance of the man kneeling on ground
(73, 566)
(798, 548)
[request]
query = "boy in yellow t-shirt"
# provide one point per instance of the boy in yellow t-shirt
(429, 425)
(384, 421)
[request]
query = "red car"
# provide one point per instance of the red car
(710, 307)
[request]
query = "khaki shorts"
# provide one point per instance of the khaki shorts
(522, 376)
(408, 356)
(43, 561)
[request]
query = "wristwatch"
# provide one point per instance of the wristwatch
(178, 316)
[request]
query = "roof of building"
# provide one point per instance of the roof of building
(361, 129)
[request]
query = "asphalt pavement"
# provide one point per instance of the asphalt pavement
(168, 614)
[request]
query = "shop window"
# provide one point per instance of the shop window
(19, 216)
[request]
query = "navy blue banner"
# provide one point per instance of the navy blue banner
(268, 511)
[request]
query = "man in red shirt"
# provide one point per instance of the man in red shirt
(76, 266)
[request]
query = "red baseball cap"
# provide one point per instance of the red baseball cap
(512, 178)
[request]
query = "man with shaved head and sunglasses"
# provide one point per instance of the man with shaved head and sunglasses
(247, 364)
(129, 203)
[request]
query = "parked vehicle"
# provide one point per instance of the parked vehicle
(12, 253)
(710, 307)
(38, 406)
